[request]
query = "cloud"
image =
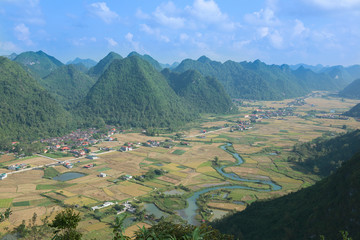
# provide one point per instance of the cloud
(335, 4)
(111, 42)
(134, 44)
(83, 41)
(8, 47)
(101, 10)
(167, 15)
(276, 39)
(156, 32)
(208, 12)
(299, 28)
(263, 17)
(22, 33)
(141, 15)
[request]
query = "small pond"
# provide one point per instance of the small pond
(152, 209)
(68, 176)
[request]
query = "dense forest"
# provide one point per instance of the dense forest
(27, 111)
(68, 85)
(354, 111)
(352, 90)
(324, 155)
(132, 93)
(204, 94)
(324, 209)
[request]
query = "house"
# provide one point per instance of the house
(102, 175)
(126, 148)
(105, 204)
(68, 165)
(3, 175)
(65, 148)
(91, 165)
(127, 177)
(92, 157)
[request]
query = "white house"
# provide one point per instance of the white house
(3, 175)
(102, 175)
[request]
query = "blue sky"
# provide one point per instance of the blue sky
(274, 31)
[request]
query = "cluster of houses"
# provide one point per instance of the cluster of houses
(67, 165)
(152, 143)
(260, 114)
(297, 102)
(17, 167)
(79, 138)
(240, 126)
(127, 207)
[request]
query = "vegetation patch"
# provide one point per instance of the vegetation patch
(50, 172)
(80, 200)
(103, 169)
(53, 186)
(179, 152)
(21, 204)
(57, 155)
(5, 202)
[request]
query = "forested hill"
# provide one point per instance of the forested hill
(324, 155)
(132, 93)
(38, 64)
(88, 63)
(352, 90)
(329, 206)
(97, 70)
(204, 94)
(256, 80)
(354, 111)
(27, 111)
(68, 85)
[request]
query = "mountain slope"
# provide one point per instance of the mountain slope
(97, 70)
(38, 64)
(204, 94)
(132, 93)
(354, 111)
(68, 85)
(352, 90)
(331, 205)
(27, 111)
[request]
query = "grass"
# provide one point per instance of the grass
(53, 186)
(21, 204)
(179, 152)
(103, 169)
(5, 202)
(50, 172)
(57, 155)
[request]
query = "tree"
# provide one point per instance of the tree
(65, 224)
(216, 161)
(118, 229)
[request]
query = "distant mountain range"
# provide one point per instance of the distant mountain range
(326, 208)
(88, 63)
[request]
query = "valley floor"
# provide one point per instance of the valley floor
(264, 147)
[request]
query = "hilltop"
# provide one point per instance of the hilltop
(132, 93)
(97, 70)
(38, 64)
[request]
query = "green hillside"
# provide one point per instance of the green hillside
(68, 85)
(352, 90)
(97, 70)
(132, 93)
(329, 206)
(354, 111)
(324, 155)
(27, 111)
(38, 64)
(204, 94)
(88, 63)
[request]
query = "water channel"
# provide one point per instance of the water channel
(189, 213)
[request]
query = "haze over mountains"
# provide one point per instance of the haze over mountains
(137, 91)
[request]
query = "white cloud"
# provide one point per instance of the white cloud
(141, 15)
(111, 42)
(335, 4)
(8, 47)
(241, 44)
(134, 44)
(263, 17)
(167, 15)
(83, 41)
(299, 28)
(276, 39)
(101, 10)
(184, 37)
(208, 12)
(22, 33)
(156, 32)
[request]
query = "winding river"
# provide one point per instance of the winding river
(190, 211)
